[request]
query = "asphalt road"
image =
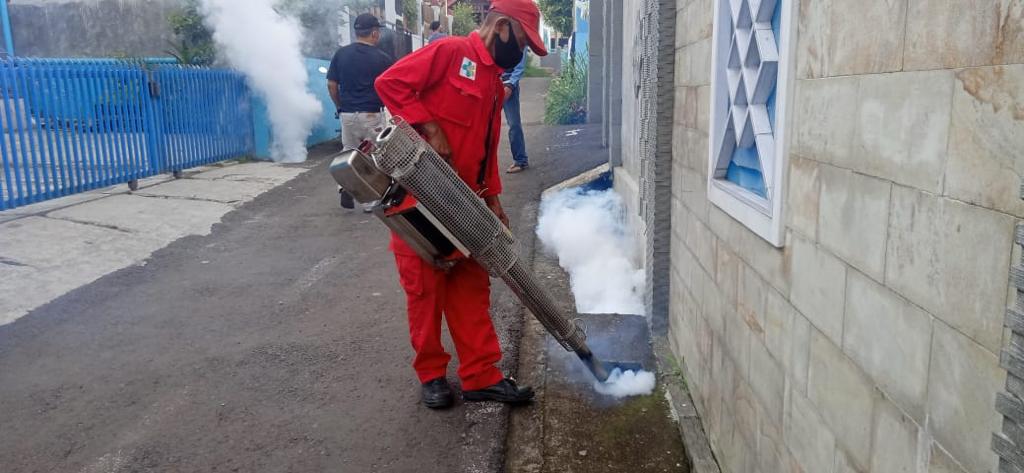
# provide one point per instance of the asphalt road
(276, 343)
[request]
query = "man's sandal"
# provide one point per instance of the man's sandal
(515, 168)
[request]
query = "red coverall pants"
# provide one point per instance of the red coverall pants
(463, 296)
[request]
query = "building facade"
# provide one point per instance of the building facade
(844, 198)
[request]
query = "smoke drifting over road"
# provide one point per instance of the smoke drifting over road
(584, 230)
(627, 383)
(266, 47)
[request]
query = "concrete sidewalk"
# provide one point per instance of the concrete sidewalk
(52, 247)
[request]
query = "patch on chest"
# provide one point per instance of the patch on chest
(468, 69)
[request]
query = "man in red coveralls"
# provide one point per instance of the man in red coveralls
(451, 91)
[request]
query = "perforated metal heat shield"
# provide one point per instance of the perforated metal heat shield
(402, 154)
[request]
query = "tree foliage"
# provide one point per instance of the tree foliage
(463, 21)
(360, 4)
(319, 20)
(411, 14)
(311, 14)
(193, 41)
(558, 14)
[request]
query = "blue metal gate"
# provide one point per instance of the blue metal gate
(70, 125)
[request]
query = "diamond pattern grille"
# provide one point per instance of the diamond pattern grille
(751, 71)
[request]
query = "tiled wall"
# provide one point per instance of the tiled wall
(870, 341)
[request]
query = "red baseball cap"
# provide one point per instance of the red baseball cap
(528, 16)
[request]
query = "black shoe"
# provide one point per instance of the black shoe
(346, 199)
(504, 391)
(437, 394)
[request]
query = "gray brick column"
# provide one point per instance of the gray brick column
(607, 29)
(613, 84)
(658, 218)
(596, 67)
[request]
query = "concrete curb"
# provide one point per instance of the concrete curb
(530, 367)
(577, 181)
(698, 448)
(485, 447)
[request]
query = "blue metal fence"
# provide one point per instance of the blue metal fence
(70, 125)
(205, 116)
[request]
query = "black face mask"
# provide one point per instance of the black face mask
(507, 54)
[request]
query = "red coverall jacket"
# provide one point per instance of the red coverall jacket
(454, 82)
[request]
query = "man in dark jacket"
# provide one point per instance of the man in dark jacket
(350, 83)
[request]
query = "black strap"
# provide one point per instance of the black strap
(487, 145)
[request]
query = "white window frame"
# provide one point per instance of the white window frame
(762, 215)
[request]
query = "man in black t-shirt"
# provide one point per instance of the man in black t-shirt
(350, 83)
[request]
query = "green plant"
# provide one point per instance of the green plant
(463, 22)
(558, 14)
(193, 40)
(411, 14)
(566, 101)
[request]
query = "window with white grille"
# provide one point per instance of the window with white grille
(749, 89)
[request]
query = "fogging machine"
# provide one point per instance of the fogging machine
(421, 198)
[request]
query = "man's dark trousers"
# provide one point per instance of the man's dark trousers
(515, 128)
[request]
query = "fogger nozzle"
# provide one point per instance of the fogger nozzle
(602, 370)
(448, 218)
(593, 364)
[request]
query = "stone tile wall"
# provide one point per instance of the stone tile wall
(870, 342)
